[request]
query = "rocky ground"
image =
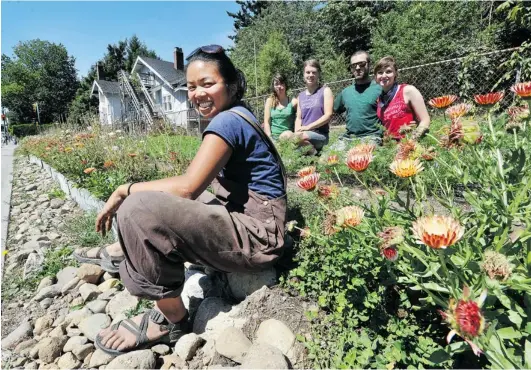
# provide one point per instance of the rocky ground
(237, 320)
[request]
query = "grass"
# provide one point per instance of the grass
(56, 193)
(142, 306)
(82, 231)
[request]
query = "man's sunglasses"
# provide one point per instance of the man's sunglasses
(359, 64)
(209, 49)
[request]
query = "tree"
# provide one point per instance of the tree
(274, 57)
(249, 10)
(136, 48)
(39, 72)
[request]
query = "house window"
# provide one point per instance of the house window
(167, 103)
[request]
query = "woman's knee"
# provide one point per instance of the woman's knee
(286, 135)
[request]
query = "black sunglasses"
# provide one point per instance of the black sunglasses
(359, 64)
(209, 49)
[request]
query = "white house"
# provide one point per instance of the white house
(161, 91)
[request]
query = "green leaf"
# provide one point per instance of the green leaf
(509, 333)
(439, 356)
(527, 354)
(515, 318)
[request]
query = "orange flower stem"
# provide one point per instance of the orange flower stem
(338, 179)
(445, 270)
(491, 127)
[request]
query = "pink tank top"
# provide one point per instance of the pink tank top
(397, 114)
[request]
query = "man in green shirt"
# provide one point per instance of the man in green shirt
(359, 102)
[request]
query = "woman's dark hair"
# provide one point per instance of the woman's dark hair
(280, 78)
(384, 63)
(233, 77)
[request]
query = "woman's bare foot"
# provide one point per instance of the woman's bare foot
(114, 250)
(122, 339)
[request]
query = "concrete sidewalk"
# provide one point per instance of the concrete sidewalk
(7, 179)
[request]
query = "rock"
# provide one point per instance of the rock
(143, 359)
(68, 361)
(73, 332)
(83, 351)
(88, 292)
(243, 284)
(24, 346)
(42, 238)
(208, 351)
(34, 352)
(18, 362)
(75, 317)
(31, 187)
(108, 294)
(213, 316)
(33, 265)
(46, 302)
(47, 292)
(76, 301)
(264, 356)
(59, 331)
(45, 282)
(87, 359)
(233, 344)
(66, 275)
(120, 303)
(276, 334)
(108, 284)
(43, 323)
(22, 254)
(92, 325)
(99, 358)
(56, 203)
(53, 236)
(195, 289)
(89, 273)
(187, 346)
(169, 360)
(74, 342)
(97, 306)
(161, 349)
(108, 275)
(69, 286)
(31, 366)
(50, 348)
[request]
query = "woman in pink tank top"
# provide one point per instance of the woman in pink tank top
(400, 106)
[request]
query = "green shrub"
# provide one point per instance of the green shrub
(28, 129)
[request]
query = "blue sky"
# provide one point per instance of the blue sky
(85, 28)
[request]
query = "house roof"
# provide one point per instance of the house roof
(106, 87)
(164, 69)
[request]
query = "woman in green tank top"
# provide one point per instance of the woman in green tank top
(279, 111)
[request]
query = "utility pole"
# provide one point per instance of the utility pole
(255, 74)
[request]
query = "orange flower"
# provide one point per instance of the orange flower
(523, 90)
(332, 160)
(406, 167)
(308, 182)
(69, 149)
(48, 148)
(132, 155)
(84, 162)
(173, 156)
(458, 110)
(362, 149)
(306, 171)
(108, 164)
(437, 232)
(518, 113)
(442, 101)
(350, 216)
(359, 162)
(489, 99)
(89, 170)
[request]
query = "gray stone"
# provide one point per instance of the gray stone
(89, 273)
(108, 275)
(143, 359)
(233, 344)
(53, 236)
(45, 303)
(47, 292)
(66, 275)
(23, 254)
(83, 351)
(276, 334)
(97, 306)
(195, 289)
(58, 331)
(187, 346)
(18, 362)
(108, 294)
(70, 285)
(74, 342)
(161, 349)
(43, 323)
(120, 303)
(108, 284)
(74, 302)
(33, 265)
(264, 356)
(31, 366)
(24, 346)
(42, 238)
(172, 362)
(73, 332)
(34, 352)
(88, 292)
(75, 317)
(213, 316)
(68, 361)
(87, 359)
(31, 187)
(244, 284)
(50, 348)
(92, 325)
(99, 358)
(56, 203)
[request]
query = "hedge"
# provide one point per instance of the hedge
(27, 129)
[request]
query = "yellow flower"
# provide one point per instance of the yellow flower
(406, 167)
(349, 216)
(437, 232)
(69, 149)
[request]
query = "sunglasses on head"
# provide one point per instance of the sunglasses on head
(208, 49)
(359, 64)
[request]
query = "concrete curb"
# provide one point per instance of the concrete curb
(84, 199)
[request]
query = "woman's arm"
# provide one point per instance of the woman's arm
(267, 117)
(328, 110)
(298, 119)
(416, 101)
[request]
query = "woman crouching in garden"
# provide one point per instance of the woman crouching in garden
(400, 107)
(163, 223)
(279, 110)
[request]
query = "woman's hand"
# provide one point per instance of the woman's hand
(104, 219)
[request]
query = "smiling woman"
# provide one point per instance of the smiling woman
(163, 223)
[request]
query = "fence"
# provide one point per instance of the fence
(464, 77)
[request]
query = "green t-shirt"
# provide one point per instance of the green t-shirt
(359, 101)
(282, 119)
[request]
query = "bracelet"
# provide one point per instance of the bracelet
(129, 188)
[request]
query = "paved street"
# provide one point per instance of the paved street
(7, 178)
